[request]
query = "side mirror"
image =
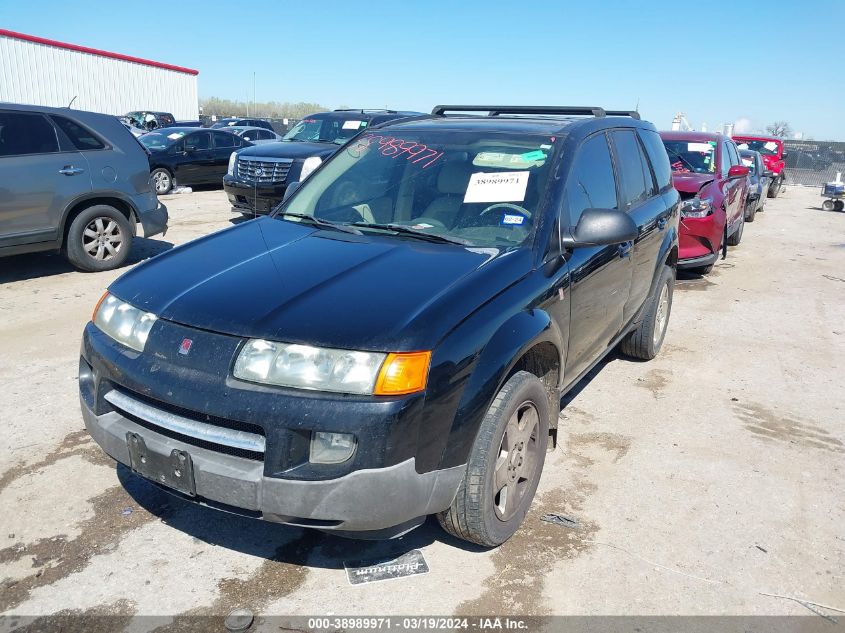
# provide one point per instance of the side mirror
(783, 154)
(292, 187)
(738, 171)
(768, 173)
(601, 226)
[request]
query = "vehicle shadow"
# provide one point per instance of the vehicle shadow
(46, 264)
(275, 541)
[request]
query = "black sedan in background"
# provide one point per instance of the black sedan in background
(758, 182)
(189, 156)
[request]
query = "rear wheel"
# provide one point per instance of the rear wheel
(504, 465)
(838, 205)
(99, 238)
(645, 341)
(162, 181)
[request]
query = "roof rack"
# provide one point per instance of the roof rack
(364, 110)
(631, 113)
(496, 110)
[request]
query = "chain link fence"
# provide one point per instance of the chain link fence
(813, 163)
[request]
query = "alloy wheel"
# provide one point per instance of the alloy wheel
(102, 238)
(162, 182)
(516, 461)
(662, 316)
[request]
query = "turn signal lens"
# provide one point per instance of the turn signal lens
(97, 307)
(403, 373)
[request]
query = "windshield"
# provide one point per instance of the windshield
(445, 185)
(318, 129)
(747, 159)
(160, 140)
(766, 148)
(689, 157)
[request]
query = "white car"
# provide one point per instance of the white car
(255, 135)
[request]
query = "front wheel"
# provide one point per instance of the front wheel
(504, 465)
(750, 211)
(647, 339)
(736, 237)
(774, 188)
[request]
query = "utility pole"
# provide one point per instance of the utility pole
(253, 94)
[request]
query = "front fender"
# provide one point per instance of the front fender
(494, 360)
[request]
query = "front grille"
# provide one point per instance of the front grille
(264, 170)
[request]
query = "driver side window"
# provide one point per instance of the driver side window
(591, 182)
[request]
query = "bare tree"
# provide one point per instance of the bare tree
(780, 129)
(273, 109)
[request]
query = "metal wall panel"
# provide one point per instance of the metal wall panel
(47, 75)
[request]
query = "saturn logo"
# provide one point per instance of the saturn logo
(185, 346)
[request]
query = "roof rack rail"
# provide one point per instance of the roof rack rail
(496, 110)
(631, 113)
(363, 110)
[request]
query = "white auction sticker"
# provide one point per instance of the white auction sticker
(351, 125)
(699, 147)
(771, 146)
(506, 186)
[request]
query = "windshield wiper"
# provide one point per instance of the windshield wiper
(405, 230)
(345, 228)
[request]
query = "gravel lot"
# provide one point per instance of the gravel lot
(699, 480)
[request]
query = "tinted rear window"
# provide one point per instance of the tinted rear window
(24, 133)
(82, 138)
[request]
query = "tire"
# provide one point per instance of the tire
(162, 181)
(838, 205)
(774, 188)
(736, 237)
(645, 342)
(99, 238)
(750, 211)
(827, 205)
(480, 513)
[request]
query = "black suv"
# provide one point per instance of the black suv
(257, 178)
(394, 341)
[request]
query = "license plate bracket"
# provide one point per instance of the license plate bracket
(175, 470)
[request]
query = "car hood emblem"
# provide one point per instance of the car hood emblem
(185, 346)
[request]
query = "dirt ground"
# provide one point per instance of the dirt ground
(699, 480)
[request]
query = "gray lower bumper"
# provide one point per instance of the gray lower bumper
(373, 500)
(154, 221)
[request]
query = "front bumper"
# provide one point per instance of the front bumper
(700, 238)
(373, 500)
(260, 199)
(376, 493)
(154, 221)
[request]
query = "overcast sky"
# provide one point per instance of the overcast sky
(716, 61)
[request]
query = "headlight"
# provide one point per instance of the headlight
(697, 207)
(123, 322)
(337, 370)
(233, 160)
(308, 166)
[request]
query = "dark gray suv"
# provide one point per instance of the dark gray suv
(73, 181)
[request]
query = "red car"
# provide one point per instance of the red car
(773, 157)
(713, 183)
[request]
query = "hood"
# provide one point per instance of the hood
(286, 281)
(691, 183)
(291, 149)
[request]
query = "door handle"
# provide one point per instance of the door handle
(661, 223)
(70, 170)
(625, 249)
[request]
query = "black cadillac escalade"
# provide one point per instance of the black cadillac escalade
(258, 177)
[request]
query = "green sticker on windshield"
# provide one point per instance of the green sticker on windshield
(530, 157)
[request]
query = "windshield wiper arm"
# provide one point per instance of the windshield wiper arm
(684, 161)
(323, 223)
(405, 230)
